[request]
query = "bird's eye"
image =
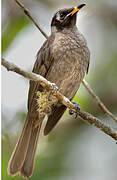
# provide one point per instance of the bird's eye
(62, 16)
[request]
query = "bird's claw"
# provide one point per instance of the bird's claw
(77, 110)
(52, 91)
(54, 88)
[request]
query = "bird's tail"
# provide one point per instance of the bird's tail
(22, 159)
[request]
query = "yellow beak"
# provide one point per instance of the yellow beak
(76, 9)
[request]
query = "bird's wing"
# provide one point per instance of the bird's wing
(42, 65)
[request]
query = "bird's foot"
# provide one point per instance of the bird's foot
(54, 88)
(77, 110)
(52, 91)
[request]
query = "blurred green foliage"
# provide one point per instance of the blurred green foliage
(11, 31)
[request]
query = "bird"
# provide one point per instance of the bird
(63, 60)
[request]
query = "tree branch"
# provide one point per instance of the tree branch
(27, 13)
(40, 79)
(99, 102)
(88, 88)
(49, 86)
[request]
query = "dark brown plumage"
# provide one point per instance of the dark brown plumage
(63, 59)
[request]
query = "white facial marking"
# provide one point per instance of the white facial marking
(58, 16)
(53, 29)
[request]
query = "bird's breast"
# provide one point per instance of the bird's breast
(68, 68)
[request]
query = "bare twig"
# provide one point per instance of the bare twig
(49, 86)
(100, 103)
(98, 123)
(88, 88)
(26, 11)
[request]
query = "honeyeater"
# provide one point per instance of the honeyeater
(63, 59)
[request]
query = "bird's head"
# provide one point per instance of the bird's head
(65, 18)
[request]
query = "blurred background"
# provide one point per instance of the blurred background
(74, 150)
